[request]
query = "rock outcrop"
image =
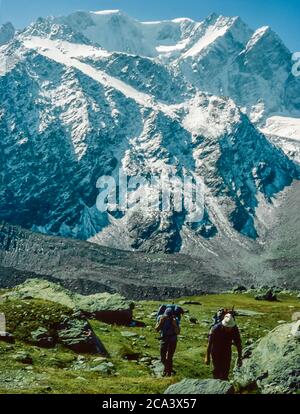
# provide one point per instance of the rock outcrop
(207, 386)
(46, 324)
(7, 32)
(42, 338)
(295, 331)
(102, 306)
(269, 295)
(273, 364)
(78, 335)
(7, 337)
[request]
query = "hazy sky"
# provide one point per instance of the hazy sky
(282, 15)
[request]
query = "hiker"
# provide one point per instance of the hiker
(221, 338)
(168, 327)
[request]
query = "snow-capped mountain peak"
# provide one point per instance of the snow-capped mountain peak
(53, 28)
(257, 36)
(213, 29)
(265, 35)
(107, 12)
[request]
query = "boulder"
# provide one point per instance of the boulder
(42, 338)
(295, 330)
(157, 368)
(190, 303)
(247, 312)
(146, 360)
(239, 289)
(78, 335)
(114, 309)
(23, 357)
(195, 386)
(106, 368)
(193, 320)
(272, 365)
(268, 295)
(128, 334)
(7, 337)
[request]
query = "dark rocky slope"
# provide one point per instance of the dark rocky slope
(89, 268)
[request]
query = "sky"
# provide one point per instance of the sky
(282, 15)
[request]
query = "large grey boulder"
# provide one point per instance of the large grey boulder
(272, 365)
(295, 331)
(78, 335)
(102, 306)
(195, 386)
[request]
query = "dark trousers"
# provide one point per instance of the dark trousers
(222, 367)
(167, 351)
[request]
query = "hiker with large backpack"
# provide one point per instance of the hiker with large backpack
(168, 320)
(223, 334)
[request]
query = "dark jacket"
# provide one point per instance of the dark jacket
(221, 341)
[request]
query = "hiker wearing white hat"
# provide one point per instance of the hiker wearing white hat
(228, 321)
(221, 338)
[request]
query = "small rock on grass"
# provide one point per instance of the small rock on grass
(100, 359)
(23, 357)
(157, 368)
(106, 368)
(128, 334)
(189, 302)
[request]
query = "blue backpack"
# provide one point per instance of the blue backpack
(177, 311)
(168, 330)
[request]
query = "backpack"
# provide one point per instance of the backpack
(168, 327)
(177, 311)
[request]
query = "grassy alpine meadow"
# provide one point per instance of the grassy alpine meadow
(133, 351)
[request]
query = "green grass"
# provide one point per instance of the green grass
(54, 370)
(24, 317)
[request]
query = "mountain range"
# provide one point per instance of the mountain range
(92, 93)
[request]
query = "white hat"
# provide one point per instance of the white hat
(228, 321)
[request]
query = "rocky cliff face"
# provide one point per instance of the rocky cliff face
(7, 32)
